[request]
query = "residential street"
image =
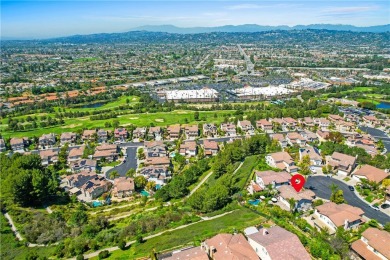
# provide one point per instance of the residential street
(322, 190)
(378, 134)
(131, 162)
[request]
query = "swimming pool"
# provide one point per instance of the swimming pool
(144, 193)
(96, 204)
(158, 186)
(254, 202)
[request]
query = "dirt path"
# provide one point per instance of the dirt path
(13, 227)
(200, 184)
(110, 249)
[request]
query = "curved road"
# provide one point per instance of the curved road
(131, 162)
(322, 190)
(378, 134)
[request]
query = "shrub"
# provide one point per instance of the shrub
(80, 257)
(122, 245)
(103, 254)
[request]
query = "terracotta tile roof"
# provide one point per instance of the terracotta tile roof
(361, 248)
(263, 122)
(338, 213)
(271, 176)
(280, 244)
(282, 157)
(278, 137)
(195, 253)
(231, 247)
(76, 152)
(378, 239)
(207, 144)
(288, 192)
(124, 184)
(371, 173)
(343, 159)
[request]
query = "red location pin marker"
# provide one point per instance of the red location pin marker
(297, 181)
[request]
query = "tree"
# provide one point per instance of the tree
(387, 227)
(335, 137)
(305, 165)
(196, 115)
(114, 174)
(122, 245)
(130, 173)
(380, 145)
(151, 185)
(292, 203)
(337, 197)
(104, 254)
(139, 239)
(140, 182)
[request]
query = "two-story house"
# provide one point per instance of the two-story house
(264, 125)
(68, 137)
(47, 140)
(275, 179)
(209, 130)
(332, 216)
(191, 132)
(283, 161)
(229, 129)
(120, 134)
(374, 244)
(343, 163)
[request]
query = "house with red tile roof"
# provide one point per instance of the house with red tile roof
(373, 245)
(229, 247)
(370, 173)
(193, 253)
(339, 215)
(281, 160)
(276, 243)
(276, 179)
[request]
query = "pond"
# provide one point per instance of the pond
(94, 105)
(383, 105)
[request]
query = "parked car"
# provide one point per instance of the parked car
(375, 207)
(385, 206)
(351, 188)
(312, 188)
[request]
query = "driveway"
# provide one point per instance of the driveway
(322, 185)
(378, 134)
(131, 163)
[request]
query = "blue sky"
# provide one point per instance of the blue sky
(42, 19)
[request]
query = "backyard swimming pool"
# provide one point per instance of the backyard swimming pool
(254, 202)
(96, 204)
(144, 193)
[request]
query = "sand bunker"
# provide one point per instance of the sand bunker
(159, 120)
(71, 126)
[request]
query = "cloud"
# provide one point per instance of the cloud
(352, 9)
(244, 6)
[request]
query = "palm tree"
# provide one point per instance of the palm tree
(292, 203)
(130, 173)
(114, 174)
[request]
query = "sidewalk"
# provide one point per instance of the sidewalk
(353, 182)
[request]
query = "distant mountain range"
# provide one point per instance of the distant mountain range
(260, 28)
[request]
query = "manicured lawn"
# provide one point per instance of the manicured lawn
(145, 119)
(237, 220)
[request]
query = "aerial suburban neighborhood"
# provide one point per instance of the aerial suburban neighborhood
(232, 142)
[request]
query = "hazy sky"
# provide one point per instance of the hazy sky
(42, 19)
